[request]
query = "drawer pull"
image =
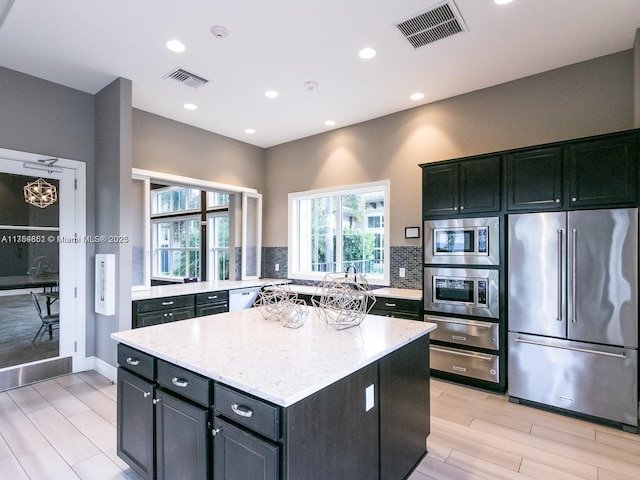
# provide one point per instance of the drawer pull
(216, 431)
(389, 304)
(179, 382)
(242, 410)
(146, 394)
(133, 361)
(459, 369)
(167, 303)
(212, 297)
(459, 337)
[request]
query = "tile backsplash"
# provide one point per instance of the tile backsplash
(409, 258)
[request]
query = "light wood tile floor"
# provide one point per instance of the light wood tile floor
(65, 429)
(479, 435)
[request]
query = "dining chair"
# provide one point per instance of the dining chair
(49, 321)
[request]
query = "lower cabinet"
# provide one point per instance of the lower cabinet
(182, 439)
(176, 424)
(397, 307)
(242, 455)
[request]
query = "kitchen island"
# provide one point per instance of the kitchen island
(273, 402)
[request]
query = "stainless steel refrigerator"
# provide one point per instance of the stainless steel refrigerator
(572, 281)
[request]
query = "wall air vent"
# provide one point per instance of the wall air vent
(436, 23)
(184, 78)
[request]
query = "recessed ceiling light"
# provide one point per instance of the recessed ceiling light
(271, 94)
(176, 46)
(367, 53)
(190, 106)
(330, 123)
(417, 96)
(250, 131)
(219, 31)
(502, 2)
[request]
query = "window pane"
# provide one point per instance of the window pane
(174, 199)
(193, 235)
(317, 222)
(221, 231)
(179, 263)
(217, 199)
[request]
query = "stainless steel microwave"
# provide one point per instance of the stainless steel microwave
(463, 291)
(465, 241)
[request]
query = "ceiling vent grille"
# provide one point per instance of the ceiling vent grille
(184, 78)
(441, 21)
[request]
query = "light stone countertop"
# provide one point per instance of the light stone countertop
(404, 293)
(263, 358)
(161, 291)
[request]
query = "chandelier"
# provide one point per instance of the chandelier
(40, 193)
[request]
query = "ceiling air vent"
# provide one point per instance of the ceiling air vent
(441, 21)
(184, 78)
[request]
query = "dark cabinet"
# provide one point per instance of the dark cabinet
(469, 186)
(136, 391)
(182, 438)
(242, 455)
(397, 307)
(162, 310)
(603, 171)
(211, 303)
(534, 179)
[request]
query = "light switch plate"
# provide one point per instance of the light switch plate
(369, 397)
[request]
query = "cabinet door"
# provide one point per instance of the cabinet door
(181, 439)
(480, 185)
(239, 455)
(603, 172)
(534, 180)
(162, 316)
(135, 422)
(440, 189)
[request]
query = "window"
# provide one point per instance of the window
(331, 230)
(177, 242)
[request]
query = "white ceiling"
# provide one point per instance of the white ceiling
(280, 44)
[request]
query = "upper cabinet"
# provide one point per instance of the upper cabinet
(603, 171)
(467, 186)
(534, 179)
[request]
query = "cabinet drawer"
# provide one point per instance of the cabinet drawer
(154, 304)
(398, 306)
(185, 383)
(464, 362)
(212, 297)
(162, 316)
(213, 309)
(465, 332)
(136, 361)
(251, 412)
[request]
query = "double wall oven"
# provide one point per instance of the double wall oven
(462, 296)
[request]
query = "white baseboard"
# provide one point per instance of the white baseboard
(103, 368)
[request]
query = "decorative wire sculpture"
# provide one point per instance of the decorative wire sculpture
(344, 299)
(279, 303)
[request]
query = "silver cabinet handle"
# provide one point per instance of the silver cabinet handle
(216, 431)
(156, 401)
(574, 274)
(146, 394)
(133, 361)
(212, 297)
(573, 349)
(179, 382)
(389, 304)
(559, 317)
(167, 303)
(242, 410)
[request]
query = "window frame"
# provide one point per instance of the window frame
(294, 270)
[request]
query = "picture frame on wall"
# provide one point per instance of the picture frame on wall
(412, 232)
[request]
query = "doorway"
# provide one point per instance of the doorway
(42, 307)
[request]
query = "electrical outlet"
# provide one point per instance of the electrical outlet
(401, 273)
(277, 267)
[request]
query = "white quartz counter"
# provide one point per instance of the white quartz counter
(405, 293)
(161, 291)
(263, 358)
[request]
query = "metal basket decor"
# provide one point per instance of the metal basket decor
(281, 304)
(344, 299)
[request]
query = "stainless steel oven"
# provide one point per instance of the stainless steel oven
(465, 291)
(462, 241)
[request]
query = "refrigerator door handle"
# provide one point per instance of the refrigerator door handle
(574, 275)
(575, 349)
(559, 316)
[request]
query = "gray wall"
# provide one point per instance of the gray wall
(584, 99)
(171, 147)
(113, 212)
